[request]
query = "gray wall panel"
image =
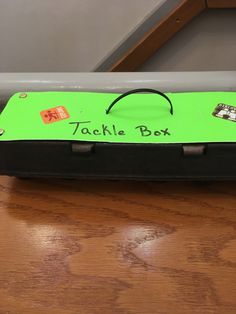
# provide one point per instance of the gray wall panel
(64, 35)
(208, 43)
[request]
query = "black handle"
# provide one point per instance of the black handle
(140, 90)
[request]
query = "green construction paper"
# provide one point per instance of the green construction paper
(192, 121)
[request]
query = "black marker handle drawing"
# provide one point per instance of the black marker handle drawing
(140, 90)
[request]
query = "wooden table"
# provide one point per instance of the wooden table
(79, 247)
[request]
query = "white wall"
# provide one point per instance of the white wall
(208, 43)
(64, 35)
(74, 35)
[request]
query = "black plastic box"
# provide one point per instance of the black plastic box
(212, 161)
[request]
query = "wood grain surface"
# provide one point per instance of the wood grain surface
(83, 247)
(221, 4)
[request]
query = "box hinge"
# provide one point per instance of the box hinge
(194, 149)
(83, 148)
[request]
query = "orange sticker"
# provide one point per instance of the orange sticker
(54, 114)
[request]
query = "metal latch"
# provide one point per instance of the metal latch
(194, 149)
(83, 148)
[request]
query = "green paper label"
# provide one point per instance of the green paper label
(140, 118)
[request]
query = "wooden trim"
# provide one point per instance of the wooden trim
(159, 35)
(221, 4)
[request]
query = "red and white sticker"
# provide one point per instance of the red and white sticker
(54, 114)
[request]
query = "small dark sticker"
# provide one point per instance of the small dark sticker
(226, 112)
